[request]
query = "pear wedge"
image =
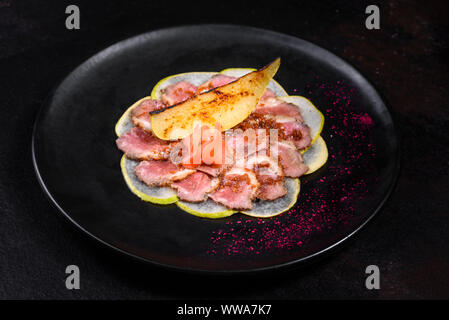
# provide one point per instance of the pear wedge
(228, 105)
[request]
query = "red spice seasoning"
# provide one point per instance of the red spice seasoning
(327, 197)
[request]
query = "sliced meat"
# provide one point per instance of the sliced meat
(271, 191)
(178, 92)
(205, 146)
(160, 173)
(140, 145)
(270, 176)
(140, 115)
(237, 189)
(215, 81)
(246, 143)
(267, 94)
(264, 165)
(212, 170)
(295, 131)
(291, 159)
(274, 106)
(288, 128)
(195, 187)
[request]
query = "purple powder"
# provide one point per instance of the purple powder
(327, 197)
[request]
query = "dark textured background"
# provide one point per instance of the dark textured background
(408, 240)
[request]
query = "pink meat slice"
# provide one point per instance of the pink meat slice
(273, 106)
(246, 143)
(291, 159)
(271, 191)
(178, 92)
(140, 115)
(217, 80)
(270, 176)
(195, 187)
(237, 190)
(160, 173)
(267, 94)
(140, 145)
(211, 153)
(295, 131)
(212, 170)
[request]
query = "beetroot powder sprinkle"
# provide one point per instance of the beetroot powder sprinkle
(328, 197)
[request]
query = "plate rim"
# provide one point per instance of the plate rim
(295, 262)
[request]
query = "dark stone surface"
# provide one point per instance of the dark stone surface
(408, 240)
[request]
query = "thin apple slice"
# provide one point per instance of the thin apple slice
(205, 209)
(316, 156)
(268, 209)
(228, 105)
(159, 195)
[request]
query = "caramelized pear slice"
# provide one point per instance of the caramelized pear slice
(228, 105)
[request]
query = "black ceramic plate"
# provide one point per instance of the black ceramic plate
(77, 161)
